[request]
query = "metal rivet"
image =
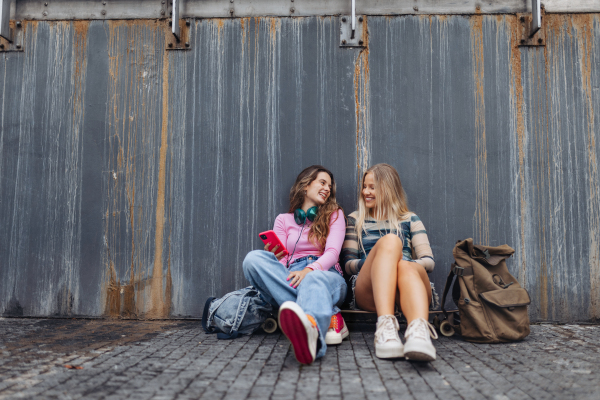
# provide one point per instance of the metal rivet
(45, 13)
(344, 19)
(292, 9)
(162, 12)
(360, 42)
(46, 4)
(522, 19)
(103, 12)
(360, 19)
(163, 2)
(292, 1)
(231, 12)
(478, 8)
(187, 44)
(416, 8)
(170, 44)
(18, 46)
(18, 24)
(231, 1)
(187, 23)
(103, 3)
(344, 41)
(540, 40)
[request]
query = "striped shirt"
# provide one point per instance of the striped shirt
(412, 232)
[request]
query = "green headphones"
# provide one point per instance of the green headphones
(300, 216)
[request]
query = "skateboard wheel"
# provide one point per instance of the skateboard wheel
(436, 322)
(270, 325)
(446, 328)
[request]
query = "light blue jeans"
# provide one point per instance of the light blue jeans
(319, 294)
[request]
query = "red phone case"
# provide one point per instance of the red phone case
(271, 237)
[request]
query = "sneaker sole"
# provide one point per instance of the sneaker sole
(419, 356)
(389, 353)
(337, 338)
(294, 330)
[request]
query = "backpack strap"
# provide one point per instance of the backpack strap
(205, 316)
(449, 281)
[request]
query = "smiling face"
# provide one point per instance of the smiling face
(318, 191)
(369, 193)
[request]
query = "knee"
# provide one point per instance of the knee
(252, 262)
(408, 268)
(390, 242)
(315, 277)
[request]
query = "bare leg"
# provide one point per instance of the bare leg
(415, 290)
(377, 282)
(385, 279)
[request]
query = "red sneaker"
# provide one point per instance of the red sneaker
(337, 331)
(301, 330)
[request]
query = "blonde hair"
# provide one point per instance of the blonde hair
(391, 202)
(319, 229)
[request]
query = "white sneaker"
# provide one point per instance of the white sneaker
(387, 341)
(418, 346)
(301, 329)
(337, 331)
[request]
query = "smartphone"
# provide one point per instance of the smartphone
(271, 237)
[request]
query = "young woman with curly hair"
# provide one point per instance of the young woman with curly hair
(307, 284)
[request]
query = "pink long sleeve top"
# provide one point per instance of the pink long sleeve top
(288, 230)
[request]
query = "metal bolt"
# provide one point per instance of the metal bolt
(540, 40)
(292, 9)
(162, 12)
(416, 8)
(45, 13)
(103, 3)
(187, 44)
(522, 19)
(18, 46)
(344, 19)
(344, 41)
(163, 2)
(187, 23)
(103, 12)
(231, 11)
(18, 24)
(170, 44)
(46, 4)
(231, 1)
(360, 19)
(360, 42)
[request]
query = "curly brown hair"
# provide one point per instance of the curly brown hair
(319, 230)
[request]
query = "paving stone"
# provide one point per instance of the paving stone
(175, 359)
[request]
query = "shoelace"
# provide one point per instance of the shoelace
(420, 329)
(389, 329)
(334, 323)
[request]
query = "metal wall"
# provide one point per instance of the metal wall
(134, 180)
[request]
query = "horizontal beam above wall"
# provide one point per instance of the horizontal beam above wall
(139, 9)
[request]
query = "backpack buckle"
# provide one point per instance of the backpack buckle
(458, 271)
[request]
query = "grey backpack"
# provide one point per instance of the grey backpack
(240, 312)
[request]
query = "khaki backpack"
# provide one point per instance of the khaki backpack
(491, 303)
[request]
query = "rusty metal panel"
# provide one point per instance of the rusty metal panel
(133, 180)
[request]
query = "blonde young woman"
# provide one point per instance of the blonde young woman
(387, 253)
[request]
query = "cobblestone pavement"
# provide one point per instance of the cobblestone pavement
(175, 359)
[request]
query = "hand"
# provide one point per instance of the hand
(296, 277)
(273, 250)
